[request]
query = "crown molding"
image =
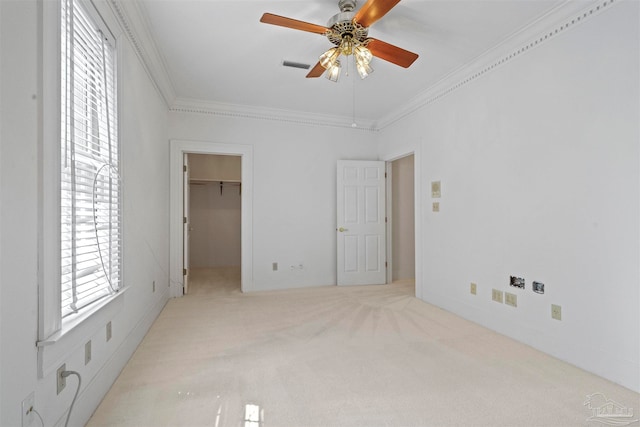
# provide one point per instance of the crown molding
(132, 19)
(561, 18)
(134, 24)
(547, 27)
(189, 105)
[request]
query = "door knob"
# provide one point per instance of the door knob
(342, 229)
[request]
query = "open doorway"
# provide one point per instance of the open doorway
(401, 230)
(178, 150)
(214, 223)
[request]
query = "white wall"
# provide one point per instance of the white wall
(539, 164)
(294, 174)
(402, 202)
(214, 218)
(145, 180)
(18, 206)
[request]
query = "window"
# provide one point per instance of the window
(90, 188)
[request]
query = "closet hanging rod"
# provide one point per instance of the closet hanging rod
(239, 184)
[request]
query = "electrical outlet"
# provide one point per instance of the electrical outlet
(496, 295)
(27, 410)
(108, 331)
(516, 282)
(87, 352)
(61, 382)
(556, 312)
(511, 299)
(274, 266)
(436, 206)
(473, 288)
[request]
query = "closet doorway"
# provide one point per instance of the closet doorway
(214, 223)
(401, 246)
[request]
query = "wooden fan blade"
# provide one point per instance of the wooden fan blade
(391, 53)
(316, 71)
(373, 10)
(269, 18)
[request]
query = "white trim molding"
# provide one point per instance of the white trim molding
(185, 105)
(134, 24)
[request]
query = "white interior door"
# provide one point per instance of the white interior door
(185, 224)
(361, 232)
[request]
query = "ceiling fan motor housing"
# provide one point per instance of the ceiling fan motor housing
(342, 24)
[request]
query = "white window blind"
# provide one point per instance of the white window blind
(90, 207)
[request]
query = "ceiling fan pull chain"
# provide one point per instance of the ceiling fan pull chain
(348, 66)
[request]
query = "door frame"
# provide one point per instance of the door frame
(186, 226)
(177, 149)
(417, 207)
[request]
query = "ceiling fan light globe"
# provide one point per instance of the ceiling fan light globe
(333, 72)
(363, 69)
(330, 57)
(363, 54)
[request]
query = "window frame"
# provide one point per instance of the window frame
(57, 336)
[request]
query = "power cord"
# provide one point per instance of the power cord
(75, 396)
(38, 414)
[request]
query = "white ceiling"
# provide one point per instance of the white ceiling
(218, 52)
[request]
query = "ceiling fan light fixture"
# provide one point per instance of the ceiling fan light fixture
(348, 32)
(363, 69)
(333, 72)
(330, 57)
(362, 54)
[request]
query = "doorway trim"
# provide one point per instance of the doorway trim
(177, 149)
(417, 218)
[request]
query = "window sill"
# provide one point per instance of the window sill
(53, 351)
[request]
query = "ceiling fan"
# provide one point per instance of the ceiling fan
(348, 31)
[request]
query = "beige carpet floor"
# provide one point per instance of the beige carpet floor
(338, 356)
